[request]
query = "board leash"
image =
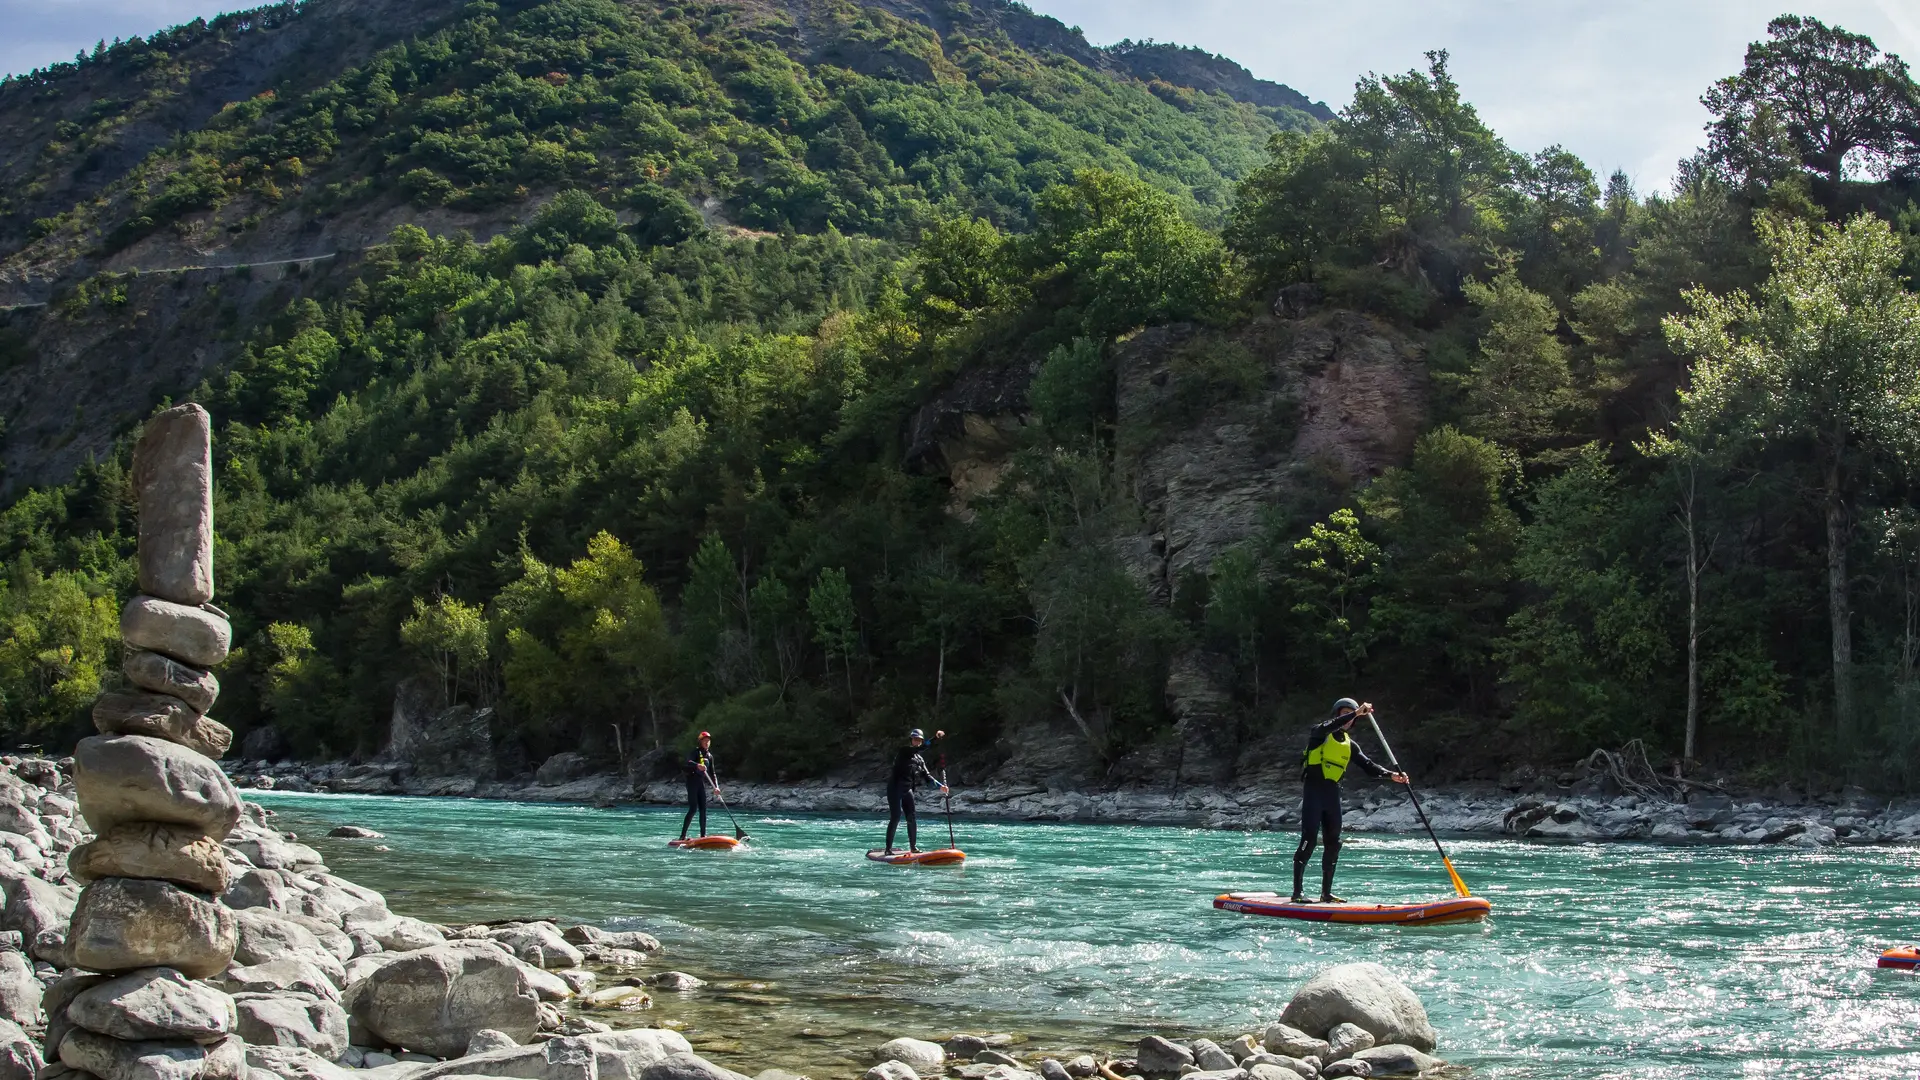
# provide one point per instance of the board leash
(1459, 886)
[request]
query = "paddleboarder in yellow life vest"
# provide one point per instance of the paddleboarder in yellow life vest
(1330, 753)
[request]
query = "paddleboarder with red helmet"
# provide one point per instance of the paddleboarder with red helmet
(699, 770)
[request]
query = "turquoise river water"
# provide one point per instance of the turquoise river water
(1600, 961)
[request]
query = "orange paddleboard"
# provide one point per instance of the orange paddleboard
(706, 843)
(943, 857)
(1454, 909)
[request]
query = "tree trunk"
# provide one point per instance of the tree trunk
(1839, 608)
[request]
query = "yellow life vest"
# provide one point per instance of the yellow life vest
(1332, 756)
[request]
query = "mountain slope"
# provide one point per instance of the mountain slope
(801, 116)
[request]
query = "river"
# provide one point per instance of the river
(1601, 961)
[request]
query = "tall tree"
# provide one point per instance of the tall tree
(1826, 355)
(1829, 98)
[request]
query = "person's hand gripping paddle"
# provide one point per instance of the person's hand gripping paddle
(1459, 886)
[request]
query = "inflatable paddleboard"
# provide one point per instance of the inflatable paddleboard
(943, 857)
(1454, 909)
(1903, 959)
(706, 843)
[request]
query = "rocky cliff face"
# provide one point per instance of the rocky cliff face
(1215, 431)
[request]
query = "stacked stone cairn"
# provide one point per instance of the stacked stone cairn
(149, 924)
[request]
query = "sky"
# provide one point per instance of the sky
(1616, 81)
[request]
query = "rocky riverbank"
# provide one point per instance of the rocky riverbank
(1703, 818)
(326, 982)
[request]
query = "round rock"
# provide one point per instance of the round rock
(147, 849)
(1366, 995)
(124, 778)
(122, 924)
(165, 675)
(154, 1004)
(188, 634)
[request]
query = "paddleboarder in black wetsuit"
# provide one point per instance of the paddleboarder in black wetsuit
(1330, 751)
(908, 768)
(699, 769)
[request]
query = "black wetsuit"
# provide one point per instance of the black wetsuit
(908, 768)
(697, 785)
(1320, 806)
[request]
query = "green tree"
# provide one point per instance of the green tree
(1328, 579)
(59, 635)
(1449, 540)
(1124, 256)
(1073, 391)
(1828, 100)
(451, 635)
(1584, 656)
(830, 606)
(1237, 599)
(1825, 354)
(1520, 384)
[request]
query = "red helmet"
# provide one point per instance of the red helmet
(706, 734)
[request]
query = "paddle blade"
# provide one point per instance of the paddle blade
(1458, 885)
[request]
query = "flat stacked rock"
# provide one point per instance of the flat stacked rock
(150, 922)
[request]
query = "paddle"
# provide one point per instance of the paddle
(738, 834)
(1458, 885)
(951, 842)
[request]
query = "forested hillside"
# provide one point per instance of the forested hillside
(807, 372)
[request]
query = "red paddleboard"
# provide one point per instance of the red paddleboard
(1454, 909)
(943, 857)
(706, 843)
(1906, 959)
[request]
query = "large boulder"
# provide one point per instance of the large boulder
(271, 851)
(539, 944)
(918, 1054)
(113, 1059)
(34, 908)
(690, 1066)
(298, 1063)
(285, 976)
(584, 935)
(262, 935)
(163, 674)
(336, 943)
(562, 767)
(173, 483)
(395, 933)
(189, 634)
(127, 778)
(1397, 1059)
(19, 1054)
(154, 1003)
(1291, 1042)
(434, 1000)
(1156, 1056)
(148, 849)
(1364, 994)
(121, 924)
(296, 1020)
(162, 716)
(20, 990)
(624, 1055)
